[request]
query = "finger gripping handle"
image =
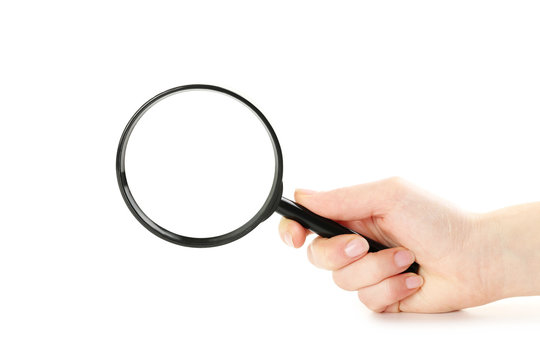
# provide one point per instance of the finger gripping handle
(324, 227)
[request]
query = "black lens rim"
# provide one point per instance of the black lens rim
(266, 210)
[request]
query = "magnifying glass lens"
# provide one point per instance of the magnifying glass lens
(200, 163)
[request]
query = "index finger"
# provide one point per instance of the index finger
(354, 202)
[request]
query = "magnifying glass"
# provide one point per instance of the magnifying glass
(207, 167)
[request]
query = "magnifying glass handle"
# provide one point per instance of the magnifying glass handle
(323, 226)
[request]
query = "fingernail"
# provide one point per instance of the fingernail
(403, 258)
(287, 238)
(413, 282)
(305, 192)
(355, 247)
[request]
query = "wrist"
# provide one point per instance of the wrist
(511, 241)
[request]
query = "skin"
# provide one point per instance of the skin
(465, 259)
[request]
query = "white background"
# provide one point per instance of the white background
(443, 94)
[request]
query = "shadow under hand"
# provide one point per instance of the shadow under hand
(515, 310)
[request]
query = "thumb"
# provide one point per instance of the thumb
(354, 202)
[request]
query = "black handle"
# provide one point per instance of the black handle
(323, 226)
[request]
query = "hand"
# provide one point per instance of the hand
(464, 257)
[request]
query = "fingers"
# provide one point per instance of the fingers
(350, 204)
(385, 295)
(355, 202)
(337, 252)
(376, 276)
(292, 233)
(373, 268)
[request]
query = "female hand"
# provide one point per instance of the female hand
(465, 259)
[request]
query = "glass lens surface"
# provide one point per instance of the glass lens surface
(200, 163)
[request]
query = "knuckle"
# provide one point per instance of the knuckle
(390, 290)
(377, 268)
(317, 244)
(398, 186)
(342, 281)
(368, 302)
(396, 181)
(310, 255)
(319, 254)
(363, 298)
